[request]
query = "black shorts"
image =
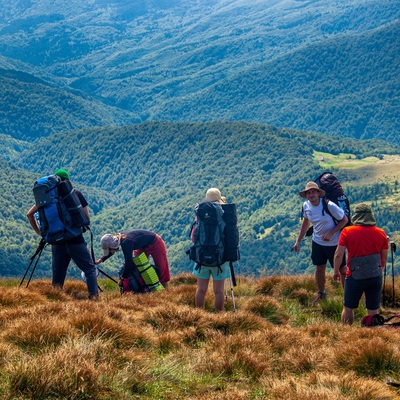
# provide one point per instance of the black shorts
(320, 255)
(353, 290)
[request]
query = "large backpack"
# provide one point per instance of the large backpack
(334, 192)
(231, 233)
(60, 213)
(208, 235)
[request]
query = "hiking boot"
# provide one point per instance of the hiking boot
(321, 295)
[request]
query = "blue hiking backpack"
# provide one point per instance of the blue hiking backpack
(60, 213)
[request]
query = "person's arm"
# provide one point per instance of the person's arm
(337, 261)
(103, 258)
(32, 220)
(384, 257)
(84, 202)
(338, 227)
(127, 247)
(86, 210)
(303, 230)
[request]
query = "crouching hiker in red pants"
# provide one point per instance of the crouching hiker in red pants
(134, 242)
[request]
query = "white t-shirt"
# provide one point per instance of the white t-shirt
(323, 223)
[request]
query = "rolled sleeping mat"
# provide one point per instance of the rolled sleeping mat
(148, 273)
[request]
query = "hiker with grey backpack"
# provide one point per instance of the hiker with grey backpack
(215, 247)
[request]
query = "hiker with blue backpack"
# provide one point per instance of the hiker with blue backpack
(58, 215)
(209, 257)
(137, 245)
(367, 252)
(327, 219)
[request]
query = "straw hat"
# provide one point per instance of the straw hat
(213, 194)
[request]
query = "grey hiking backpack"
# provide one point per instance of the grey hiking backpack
(208, 235)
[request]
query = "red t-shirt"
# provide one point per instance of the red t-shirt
(362, 241)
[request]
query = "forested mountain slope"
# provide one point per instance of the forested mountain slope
(316, 65)
(355, 77)
(151, 175)
(31, 108)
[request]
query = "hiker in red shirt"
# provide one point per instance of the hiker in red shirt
(367, 251)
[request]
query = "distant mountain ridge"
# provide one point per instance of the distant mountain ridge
(32, 107)
(214, 60)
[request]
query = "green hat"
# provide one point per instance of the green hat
(62, 173)
(363, 215)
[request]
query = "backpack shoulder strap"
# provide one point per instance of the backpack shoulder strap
(325, 208)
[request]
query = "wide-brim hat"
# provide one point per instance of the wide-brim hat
(108, 242)
(363, 215)
(214, 194)
(309, 186)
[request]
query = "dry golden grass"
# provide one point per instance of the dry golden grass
(277, 345)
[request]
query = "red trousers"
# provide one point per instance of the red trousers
(158, 252)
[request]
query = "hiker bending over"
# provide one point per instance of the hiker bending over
(134, 242)
(75, 249)
(367, 249)
(204, 273)
(325, 233)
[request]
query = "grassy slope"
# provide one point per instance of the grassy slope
(277, 345)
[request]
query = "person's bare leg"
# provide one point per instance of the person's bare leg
(347, 316)
(218, 287)
(320, 279)
(202, 286)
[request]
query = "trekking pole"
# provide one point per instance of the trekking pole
(232, 280)
(393, 250)
(38, 252)
(94, 259)
(383, 290)
(232, 273)
(108, 276)
(233, 296)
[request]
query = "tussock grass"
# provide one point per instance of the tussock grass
(268, 308)
(277, 345)
(372, 355)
